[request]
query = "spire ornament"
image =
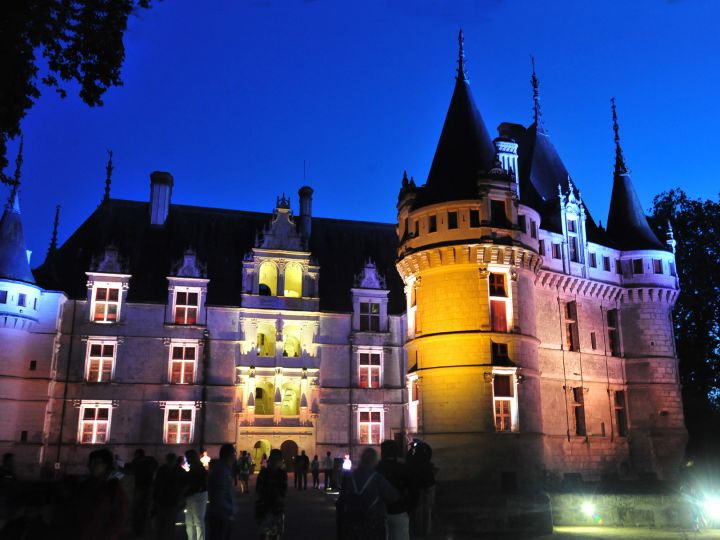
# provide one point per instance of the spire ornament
(620, 166)
(108, 176)
(53, 239)
(12, 203)
(461, 73)
(537, 113)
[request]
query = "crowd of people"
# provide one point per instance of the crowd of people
(374, 501)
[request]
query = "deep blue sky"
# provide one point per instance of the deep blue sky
(233, 96)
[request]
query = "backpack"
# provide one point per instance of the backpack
(244, 465)
(358, 503)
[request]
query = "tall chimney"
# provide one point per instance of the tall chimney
(305, 193)
(161, 184)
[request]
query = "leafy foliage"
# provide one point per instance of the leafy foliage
(80, 40)
(696, 225)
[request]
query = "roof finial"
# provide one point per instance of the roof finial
(620, 166)
(536, 97)
(13, 199)
(53, 239)
(462, 75)
(108, 176)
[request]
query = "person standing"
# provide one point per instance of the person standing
(315, 469)
(103, 500)
(296, 471)
(196, 497)
(304, 466)
(166, 497)
(401, 478)
(270, 502)
(143, 469)
(243, 472)
(221, 497)
(361, 506)
(327, 466)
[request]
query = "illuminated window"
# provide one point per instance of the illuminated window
(620, 413)
(572, 340)
(3, 297)
(268, 279)
(370, 426)
(179, 420)
(452, 220)
(186, 306)
(606, 264)
(106, 304)
(637, 266)
(474, 218)
(498, 303)
(657, 266)
(22, 300)
(503, 400)
(369, 317)
(182, 363)
(100, 361)
(578, 405)
(266, 341)
(414, 390)
(613, 333)
(290, 404)
(370, 367)
(291, 347)
(94, 422)
(432, 223)
(293, 280)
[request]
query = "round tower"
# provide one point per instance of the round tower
(468, 255)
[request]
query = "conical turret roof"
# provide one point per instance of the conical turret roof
(464, 148)
(13, 253)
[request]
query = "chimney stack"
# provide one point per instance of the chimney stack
(305, 193)
(161, 184)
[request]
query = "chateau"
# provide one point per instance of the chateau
(497, 320)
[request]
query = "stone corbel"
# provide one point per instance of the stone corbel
(489, 377)
(484, 272)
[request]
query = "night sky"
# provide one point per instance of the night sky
(231, 98)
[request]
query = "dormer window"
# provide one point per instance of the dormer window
(572, 226)
(369, 317)
(268, 279)
(106, 304)
(186, 306)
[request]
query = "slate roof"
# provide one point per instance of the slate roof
(221, 238)
(13, 251)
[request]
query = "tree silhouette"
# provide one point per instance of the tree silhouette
(78, 40)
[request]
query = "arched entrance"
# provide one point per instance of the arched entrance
(289, 450)
(261, 447)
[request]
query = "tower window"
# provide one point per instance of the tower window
(572, 341)
(186, 306)
(657, 266)
(417, 228)
(498, 303)
(533, 229)
(369, 317)
(504, 401)
(541, 247)
(499, 352)
(452, 220)
(637, 266)
(618, 266)
(474, 218)
(3, 297)
(370, 367)
(497, 285)
(579, 408)
(593, 260)
(22, 300)
(671, 266)
(613, 333)
(556, 251)
(497, 213)
(522, 224)
(432, 223)
(606, 264)
(620, 413)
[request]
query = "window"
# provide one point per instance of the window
(593, 341)
(499, 354)
(100, 361)
(620, 414)
(522, 224)
(502, 396)
(3, 297)
(541, 246)
(452, 220)
(579, 407)
(556, 251)
(414, 390)
(417, 228)
(572, 225)
(637, 266)
(574, 250)
(369, 370)
(266, 341)
(618, 266)
(606, 264)
(497, 214)
(474, 218)
(369, 317)
(370, 426)
(179, 418)
(593, 260)
(498, 303)
(23, 436)
(35, 304)
(432, 223)
(657, 266)
(94, 422)
(33, 365)
(106, 304)
(186, 306)
(182, 363)
(572, 341)
(533, 229)
(22, 300)
(671, 266)
(407, 226)
(293, 280)
(613, 333)
(267, 280)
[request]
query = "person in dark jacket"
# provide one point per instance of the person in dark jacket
(104, 503)
(196, 497)
(315, 470)
(401, 478)
(166, 496)
(270, 502)
(221, 494)
(303, 466)
(143, 469)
